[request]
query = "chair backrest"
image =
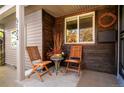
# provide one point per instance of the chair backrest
(76, 52)
(33, 53)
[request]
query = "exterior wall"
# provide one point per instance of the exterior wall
(10, 53)
(39, 28)
(99, 56)
(34, 33)
(48, 28)
(34, 36)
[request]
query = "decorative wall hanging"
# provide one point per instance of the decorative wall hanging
(105, 15)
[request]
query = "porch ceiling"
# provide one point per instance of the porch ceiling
(61, 10)
(5, 13)
(6, 10)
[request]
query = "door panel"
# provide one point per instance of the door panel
(2, 48)
(121, 63)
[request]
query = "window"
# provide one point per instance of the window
(71, 32)
(80, 29)
(13, 38)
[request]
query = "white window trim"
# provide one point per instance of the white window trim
(90, 13)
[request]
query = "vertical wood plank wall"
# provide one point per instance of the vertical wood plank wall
(48, 28)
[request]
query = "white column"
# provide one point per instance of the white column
(20, 42)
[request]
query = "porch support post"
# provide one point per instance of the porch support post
(20, 42)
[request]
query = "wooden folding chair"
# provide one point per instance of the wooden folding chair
(36, 62)
(74, 57)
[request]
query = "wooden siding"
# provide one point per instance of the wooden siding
(98, 56)
(48, 28)
(34, 33)
(10, 53)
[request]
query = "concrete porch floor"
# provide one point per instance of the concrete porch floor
(90, 78)
(8, 77)
(87, 78)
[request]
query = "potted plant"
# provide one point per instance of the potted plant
(56, 51)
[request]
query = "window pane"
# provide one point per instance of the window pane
(85, 29)
(71, 31)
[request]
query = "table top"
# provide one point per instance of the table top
(56, 59)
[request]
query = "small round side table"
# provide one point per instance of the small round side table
(57, 63)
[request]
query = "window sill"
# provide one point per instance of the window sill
(88, 43)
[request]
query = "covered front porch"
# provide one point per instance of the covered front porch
(36, 25)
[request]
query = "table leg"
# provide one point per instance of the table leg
(57, 67)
